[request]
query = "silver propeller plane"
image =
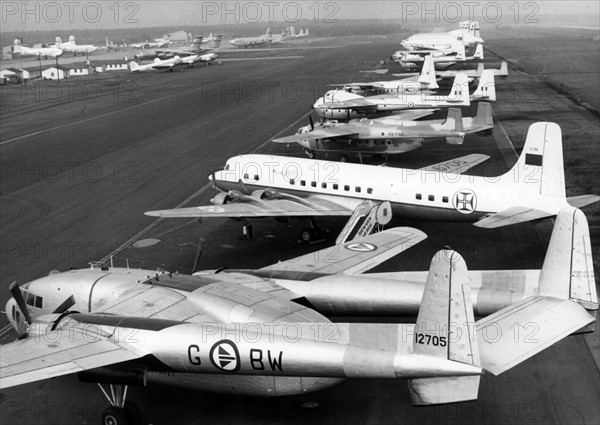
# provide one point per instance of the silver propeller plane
(238, 332)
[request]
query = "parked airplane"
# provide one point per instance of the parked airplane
(467, 34)
(112, 46)
(39, 52)
(167, 64)
(426, 80)
(72, 47)
(476, 73)
(339, 104)
(458, 56)
(207, 59)
(158, 42)
(225, 333)
(245, 42)
(195, 48)
(274, 186)
(390, 135)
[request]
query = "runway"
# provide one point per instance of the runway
(77, 176)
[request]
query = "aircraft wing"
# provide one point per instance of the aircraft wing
(319, 133)
(356, 256)
(301, 207)
(457, 165)
(409, 115)
(364, 86)
(513, 215)
(358, 104)
(521, 330)
(61, 352)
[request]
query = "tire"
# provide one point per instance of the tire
(114, 416)
(310, 154)
(344, 158)
(307, 235)
(134, 415)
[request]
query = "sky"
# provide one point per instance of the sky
(61, 15)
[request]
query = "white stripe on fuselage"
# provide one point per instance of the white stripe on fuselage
(356, 182)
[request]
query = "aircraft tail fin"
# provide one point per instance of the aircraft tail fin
(428, 73)
(484, 117)
(293, 31)
(133, 66)
(486, 89)
(57, 41)
(478, 52)
(480, 68)
(459, 94)
(306, 33)
(454, 122)
(503, 69)
(541, 161)
(568, 269)
(460, 52)
(443, 330)
(268, 33)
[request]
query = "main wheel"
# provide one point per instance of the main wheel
(134, 415)
(307, 235)
(114, 416)
(309, 153)
(343, 158)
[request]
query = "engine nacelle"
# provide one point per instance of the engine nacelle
(222, 198)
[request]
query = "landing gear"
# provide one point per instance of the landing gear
(309, 153)
(310, 233)
(343, 158)
(119, 412)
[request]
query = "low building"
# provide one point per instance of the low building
(79, 68)
(111, 65)
(55, 72)
(15, 75)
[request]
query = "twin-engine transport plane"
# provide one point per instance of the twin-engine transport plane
(389, 135)
(239, 333)
(167, 64)
(275, 186)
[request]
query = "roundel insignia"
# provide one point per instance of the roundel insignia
(211, 209)
(465, 201)
(225, 356)
(361, 247)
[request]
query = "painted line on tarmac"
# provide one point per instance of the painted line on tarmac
(204, 188)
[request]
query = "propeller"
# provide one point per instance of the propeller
(312, 124)
(18, 296)
(66, 304)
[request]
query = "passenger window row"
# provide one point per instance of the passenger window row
(431, 198)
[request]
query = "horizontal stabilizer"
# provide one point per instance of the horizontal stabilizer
(520, 331)
(512, 215)
(457, 165)
(582, 200)
(454, 389)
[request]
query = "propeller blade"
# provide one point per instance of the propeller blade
(312, 124)
(66, 304)
(18, 296)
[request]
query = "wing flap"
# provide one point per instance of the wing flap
(356, 256)
(272, 208)
(321, 133)
(457, 165)
(518, 332)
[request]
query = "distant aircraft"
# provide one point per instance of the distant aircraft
(39, 52)
(72, 47)
(475, 73)
(458, 56)
(195, 48)
(191, 60)
(225, 333)
(390, 135)
(270, 186)
(426, 80)
(245, 42)
(159, 42)
(111, 46)
(339, 104)
(467, 34)
(167, 64)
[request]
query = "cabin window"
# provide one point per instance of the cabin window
(346, 188)
(445, 199)
(302, 182)
(357, 189)
(335, 186)
(246, 176)
(256, 177)
(29, 298)
(292, 181)
(38, 301)
(313, 184)
(431, 198)
(418, 196)
(369, 190)
(324, 185)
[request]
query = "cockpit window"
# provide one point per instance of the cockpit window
(33, 300)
